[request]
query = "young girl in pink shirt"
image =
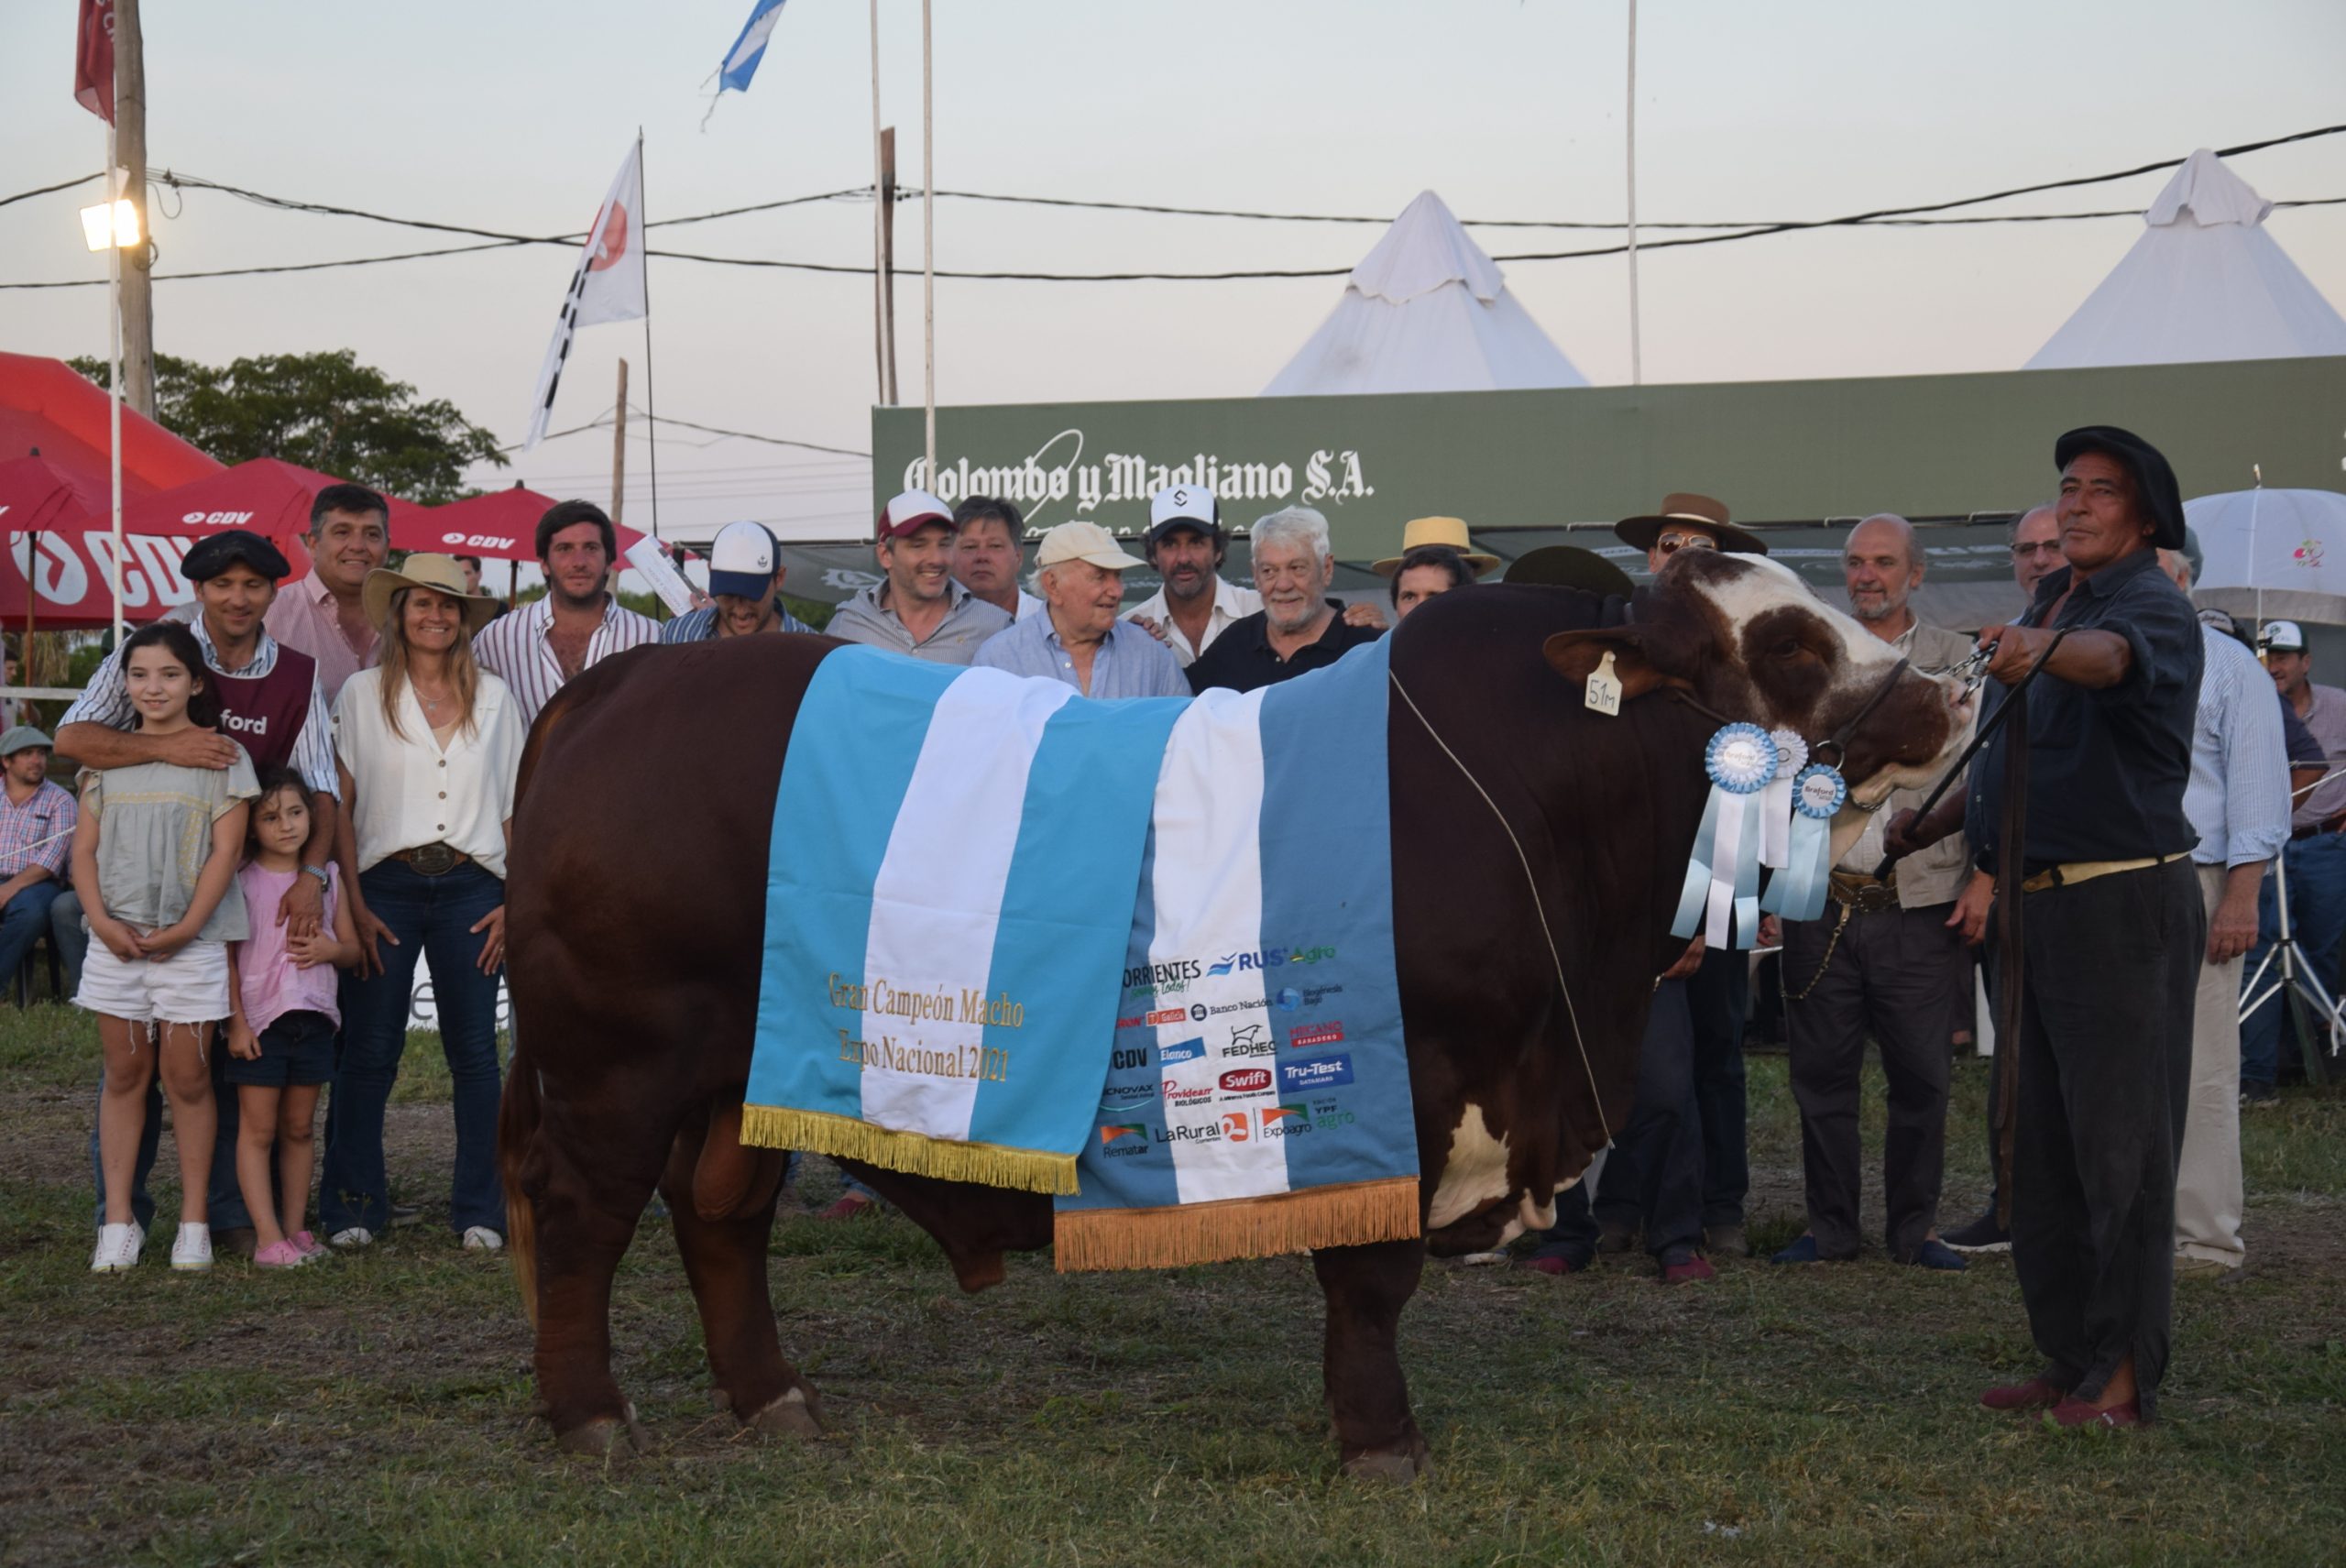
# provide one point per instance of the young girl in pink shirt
(283, 1018)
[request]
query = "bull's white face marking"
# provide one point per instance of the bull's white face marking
(1474, 1175)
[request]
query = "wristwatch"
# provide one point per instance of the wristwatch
(324, 880)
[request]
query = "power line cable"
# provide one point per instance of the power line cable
(45, 190)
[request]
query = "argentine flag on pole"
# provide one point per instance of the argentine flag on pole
(742, 60)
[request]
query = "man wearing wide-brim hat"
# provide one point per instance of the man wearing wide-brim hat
(2113, 929)
(1686, 522)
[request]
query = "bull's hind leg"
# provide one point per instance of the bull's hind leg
(1366, 1288)
(585, 1210)
(724, 1257)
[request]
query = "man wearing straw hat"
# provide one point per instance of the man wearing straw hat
(1436, 556)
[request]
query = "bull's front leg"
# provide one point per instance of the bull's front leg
(1366, 1288)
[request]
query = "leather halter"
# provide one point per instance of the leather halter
(1839, 739)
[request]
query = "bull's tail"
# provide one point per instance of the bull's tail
(516, 1127)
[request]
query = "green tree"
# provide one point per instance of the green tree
(325, 411)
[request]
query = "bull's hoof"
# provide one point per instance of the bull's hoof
(600, 1438)
(792, 1414)
(1391, 1469)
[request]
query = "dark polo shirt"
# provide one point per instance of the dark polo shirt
(2106, 769)
(1241, 660)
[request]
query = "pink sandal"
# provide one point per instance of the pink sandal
(283, 1253)
(310, 1245)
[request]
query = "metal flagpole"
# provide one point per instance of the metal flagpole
(880, 196)
(1637, 355)
(651, 405)
(114, 374)
(927, 245)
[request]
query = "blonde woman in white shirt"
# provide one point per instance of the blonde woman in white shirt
(428, 744)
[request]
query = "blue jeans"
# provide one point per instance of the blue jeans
(68, 935)
(432, 917)
(22, 922)
(2317, 873)
(1654, 1174)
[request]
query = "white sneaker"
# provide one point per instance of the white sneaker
(480, 1238)
(352, 1239)
(193, 1252)
(117, 1248)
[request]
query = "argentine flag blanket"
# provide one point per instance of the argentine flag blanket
(1135, 954)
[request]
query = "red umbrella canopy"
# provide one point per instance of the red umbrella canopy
(59, 531)
(501, 525)
(47, 406)
(267, 495)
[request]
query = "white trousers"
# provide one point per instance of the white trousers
(2207, 1196)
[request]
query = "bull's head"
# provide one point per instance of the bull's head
(1744, 638)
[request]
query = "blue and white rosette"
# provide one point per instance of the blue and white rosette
(1723, 876)
(1797, 893)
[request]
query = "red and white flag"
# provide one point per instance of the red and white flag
(607, 285)
(93, 59)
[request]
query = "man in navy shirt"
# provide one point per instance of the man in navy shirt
(2113, 932)
(1298, 628)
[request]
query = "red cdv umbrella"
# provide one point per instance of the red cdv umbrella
(267, 495)
(61, 531)
(47, 406)
(501, 525)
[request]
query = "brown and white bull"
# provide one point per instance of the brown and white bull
(635, 950)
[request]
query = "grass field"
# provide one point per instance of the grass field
(377, 1408)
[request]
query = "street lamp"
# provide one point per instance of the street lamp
(120, 216)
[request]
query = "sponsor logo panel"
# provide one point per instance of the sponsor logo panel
(1316, 1072)
(1306, 1036)
(1189, 1050)
(1246, 1080)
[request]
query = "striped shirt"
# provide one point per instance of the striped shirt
(2238, 799)
(38, 833)
(700, 625)
(518, 648)
(106, 700)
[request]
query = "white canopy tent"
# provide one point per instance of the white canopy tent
(1425, 312)
(2204, 281)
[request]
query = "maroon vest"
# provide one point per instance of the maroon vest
(264, 714)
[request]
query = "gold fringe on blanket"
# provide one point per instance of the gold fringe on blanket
(990, 1165)
(1350, 1215)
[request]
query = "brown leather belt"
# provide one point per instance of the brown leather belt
(430, 859)
(1863, 894)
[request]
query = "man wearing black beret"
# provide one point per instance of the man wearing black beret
(2113, 928)
(271, 706)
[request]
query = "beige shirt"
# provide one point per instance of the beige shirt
(1230, 603)
(1937, 875)
(410, 792)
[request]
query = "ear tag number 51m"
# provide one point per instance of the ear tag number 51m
(1605, 687)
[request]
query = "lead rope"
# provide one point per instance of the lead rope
(1538, 906)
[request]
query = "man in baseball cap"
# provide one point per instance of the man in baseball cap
(917, 607)
(1186, 543)
(36, 835)
(2314, 860)
(1078, 638)
(745, 573)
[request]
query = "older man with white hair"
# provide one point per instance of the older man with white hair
(1078, 638)
(1298, 628)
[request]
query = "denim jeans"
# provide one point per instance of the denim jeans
(432, 917)
(1718, 995)
(2317, 876)
(1653, 1178)
(21, 925)
(68, 935)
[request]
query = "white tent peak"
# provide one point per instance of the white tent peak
(2204, 280)
(2207, 193)
(1425, 249)
(1425, 312)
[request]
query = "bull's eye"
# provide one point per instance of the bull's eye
(1789, 648)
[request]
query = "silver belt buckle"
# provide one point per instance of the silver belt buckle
(434, 860)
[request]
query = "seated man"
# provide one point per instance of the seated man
(36, 835)
(1077, 639)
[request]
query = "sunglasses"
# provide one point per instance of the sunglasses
(1671, 543)
(2045, 547)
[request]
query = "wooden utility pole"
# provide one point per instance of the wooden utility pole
(618, 447)
(130, 151)
(885, 279)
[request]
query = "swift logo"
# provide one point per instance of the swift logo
(1248, 1080)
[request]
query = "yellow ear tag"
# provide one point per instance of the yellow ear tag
(1605, 687)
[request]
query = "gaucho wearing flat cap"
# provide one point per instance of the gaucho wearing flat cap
(264, 714)
(2111, 927)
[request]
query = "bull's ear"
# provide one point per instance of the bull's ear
(1576, 654)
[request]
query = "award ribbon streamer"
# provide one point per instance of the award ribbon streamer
(1798, 892)
(1776, 799)
(1722, 887)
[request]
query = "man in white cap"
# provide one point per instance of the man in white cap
(1078, 638)
(745, 573)
(918, 608)
(2314, 862)
(1186, 543)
